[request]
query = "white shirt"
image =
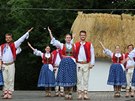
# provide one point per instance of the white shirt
(39, 53)
(7, 56)
(109, 53)
(48, 55)
(82, 55)
(132, 55)
(60, 45)
(58, 59)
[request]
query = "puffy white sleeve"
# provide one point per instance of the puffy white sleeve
(108, 52)
(57, 43)
(37, 53)
(18, 50)
(21, 39)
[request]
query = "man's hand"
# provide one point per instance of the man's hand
(91, 66)
(30, 29)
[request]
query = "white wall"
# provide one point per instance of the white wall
(98, 77)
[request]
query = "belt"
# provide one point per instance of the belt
(8, 63)
(82, 62)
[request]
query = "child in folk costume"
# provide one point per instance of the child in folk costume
(46, 76)
(129, 72)
(7, 58)
(57, 56)
(117, 74)
(66, 76)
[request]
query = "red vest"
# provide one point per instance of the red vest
(55, 54)
(13, 49)
(87, 47)
(68, 53)
(117, 60)
(46, 60)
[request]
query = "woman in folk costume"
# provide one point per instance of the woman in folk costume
(67, 76)
(7, 59)
(57, 56)
(117, 74)
(129, 65)
(46, 76)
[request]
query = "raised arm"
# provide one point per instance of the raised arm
(55, 42)
(35, 51)
(73, 37)
(50, 32)
(106, 51)
(30, 46)
(21, 39)
(102, 45)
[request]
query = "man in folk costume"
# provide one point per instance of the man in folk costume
(85, 59)
(129, 65)
(66, 76)
(8, 53)
(57, 56)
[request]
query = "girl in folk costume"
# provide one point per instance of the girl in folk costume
(7, 59)
(66, 76)
(117, 74)
(129, 65)
(57, 56)
(46, 76)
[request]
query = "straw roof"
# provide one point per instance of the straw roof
(110, 29)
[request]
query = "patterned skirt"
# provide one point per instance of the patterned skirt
(46, 77)
(133, 79)
(1, 78)
(67, 75)
(117, 76)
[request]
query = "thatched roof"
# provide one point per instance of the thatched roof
(110, 29)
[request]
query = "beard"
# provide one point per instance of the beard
(83, 39)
